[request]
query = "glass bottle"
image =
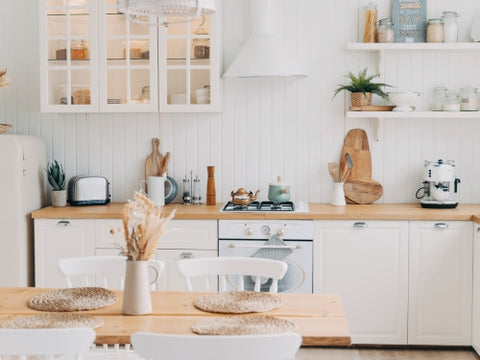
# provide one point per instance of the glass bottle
(385, 30)
(201, 46)
(439, 93)
(435, 30)
(450, 26)
(452, 101)
(370, 25)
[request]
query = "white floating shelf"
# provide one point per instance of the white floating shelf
(415, 114)
(414, 46)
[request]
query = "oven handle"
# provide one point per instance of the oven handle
(264, 246)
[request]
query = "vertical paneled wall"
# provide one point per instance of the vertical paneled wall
(268, 127)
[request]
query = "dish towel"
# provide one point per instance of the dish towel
(275, 254)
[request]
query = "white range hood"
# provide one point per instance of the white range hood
(263, 55)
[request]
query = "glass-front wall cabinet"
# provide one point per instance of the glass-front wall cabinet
(94, 59)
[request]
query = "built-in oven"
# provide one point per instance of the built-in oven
(290, 241)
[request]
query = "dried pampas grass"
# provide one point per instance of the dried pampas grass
(143, 224)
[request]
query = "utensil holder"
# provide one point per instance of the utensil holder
(338, 195)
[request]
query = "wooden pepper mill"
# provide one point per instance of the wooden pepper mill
(211, 199)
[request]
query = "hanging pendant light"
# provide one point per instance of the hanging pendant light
(188, 10)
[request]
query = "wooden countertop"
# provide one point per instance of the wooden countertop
(320, 318)
(317, 211)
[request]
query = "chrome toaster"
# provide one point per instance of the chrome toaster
(88, 190)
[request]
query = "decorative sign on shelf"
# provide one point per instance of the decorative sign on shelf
(410, 20)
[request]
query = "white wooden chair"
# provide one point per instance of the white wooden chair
(104, 271)
(45, 343)
(259, 269)
(216, 347)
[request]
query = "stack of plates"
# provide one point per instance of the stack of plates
(114, 101)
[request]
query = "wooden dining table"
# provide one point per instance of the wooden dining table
(319, 318)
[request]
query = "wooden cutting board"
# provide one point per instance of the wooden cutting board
(362, 191)
(154, 163)
(356, 144)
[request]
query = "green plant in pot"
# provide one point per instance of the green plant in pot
(56, 179)
(361, 88)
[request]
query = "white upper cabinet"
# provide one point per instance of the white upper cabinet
(94, 59)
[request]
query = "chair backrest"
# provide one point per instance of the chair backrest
(216, 347)
(46, 342)
(104, 271)
(259, 270)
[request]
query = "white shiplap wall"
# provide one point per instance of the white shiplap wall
(291, 128)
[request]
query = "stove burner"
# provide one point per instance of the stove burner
(260, 206)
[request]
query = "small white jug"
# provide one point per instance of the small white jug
(338, 196)
(155, 189)
(136, 292)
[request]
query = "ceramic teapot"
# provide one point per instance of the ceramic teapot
(243, 197)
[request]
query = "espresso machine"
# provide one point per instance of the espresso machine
(440, 186)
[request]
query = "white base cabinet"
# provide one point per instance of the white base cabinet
(440, 283)
(476, 289)
(367, 264)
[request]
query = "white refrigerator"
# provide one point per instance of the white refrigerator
(22, 191)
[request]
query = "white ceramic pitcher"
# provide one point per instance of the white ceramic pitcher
(136, 292)
(155, 189)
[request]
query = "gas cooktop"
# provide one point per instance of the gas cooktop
(260, 206)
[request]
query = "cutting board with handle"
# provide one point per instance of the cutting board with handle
(362, 191)
(154, 162)
(356, 144)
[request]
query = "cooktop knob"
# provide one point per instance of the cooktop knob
(249, 231)
(265, 229)
(281, 232)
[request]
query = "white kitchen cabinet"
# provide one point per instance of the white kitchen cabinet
(476, 289)
(56, 239)
(440, 283)
(367, 264)
(93, 59)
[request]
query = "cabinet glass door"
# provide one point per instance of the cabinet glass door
(68, 54)
(188, 59)
(128, 63)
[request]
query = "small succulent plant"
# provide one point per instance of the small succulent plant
(56, 175)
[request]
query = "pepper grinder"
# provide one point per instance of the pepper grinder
(211, 199)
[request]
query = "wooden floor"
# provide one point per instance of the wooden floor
(313, 353)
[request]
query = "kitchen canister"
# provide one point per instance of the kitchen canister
(370, 24)
(450, 26)
(385, 31)
(435, 30)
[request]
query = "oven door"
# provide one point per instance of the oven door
(298, 278)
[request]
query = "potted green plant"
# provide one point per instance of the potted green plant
(56, 179)
(361, 88)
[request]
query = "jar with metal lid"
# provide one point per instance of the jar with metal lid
(450, 26)
(439, 93)
(77, 52)
(201, 45)
(469, 100)
(452, 101)
(435, 30)
(370, 25)
(385, 30)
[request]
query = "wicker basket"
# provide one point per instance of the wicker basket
(4, 128)
(360, 99)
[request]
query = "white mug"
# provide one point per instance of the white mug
(155, 189)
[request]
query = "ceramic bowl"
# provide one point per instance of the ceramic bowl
(203, 99)
(404, 101)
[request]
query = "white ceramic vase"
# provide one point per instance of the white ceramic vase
(59, 198)
(136, 292)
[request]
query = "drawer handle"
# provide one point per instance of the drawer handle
(441, 226)
(64, 223)
(186, 255)
(360, 225)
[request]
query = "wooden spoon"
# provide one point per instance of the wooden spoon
(334, 171)
(348, 167)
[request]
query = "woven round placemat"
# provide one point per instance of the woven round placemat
(237, 302)
(53, 320)
(242, 325)
(73, 299)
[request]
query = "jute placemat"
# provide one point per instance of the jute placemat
(242, 325)
(53, 320)
(73, 299)
(237, 302)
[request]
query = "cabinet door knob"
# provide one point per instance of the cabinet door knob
(63, 223)
(441, 226)
(360, 225)
(186, 255)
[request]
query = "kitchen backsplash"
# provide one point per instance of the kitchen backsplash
(285, 127)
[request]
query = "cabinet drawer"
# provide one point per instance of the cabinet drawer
(182, 234)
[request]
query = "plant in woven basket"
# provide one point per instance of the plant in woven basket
(143, 226)
(56, 175)
(362, 85)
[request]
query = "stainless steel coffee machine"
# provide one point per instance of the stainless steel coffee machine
(440, 186)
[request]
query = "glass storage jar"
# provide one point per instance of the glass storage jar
(469, 100)
(435, 30)
(439, 93)
(385, 30)
(450, 26)
(452, 101)
(201, 46)
(77, 52)
(370, 25)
